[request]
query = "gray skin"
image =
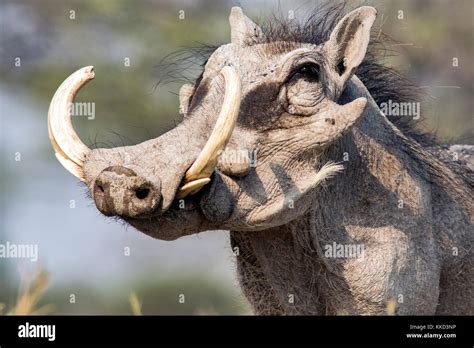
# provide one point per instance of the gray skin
(411, 212)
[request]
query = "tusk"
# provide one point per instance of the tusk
(192, 187)
(206, 161)
(71, 167)
(70, 150)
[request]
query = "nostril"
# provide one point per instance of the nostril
(142, 193)
(119, 191)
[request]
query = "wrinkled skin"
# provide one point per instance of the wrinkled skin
(300, 111)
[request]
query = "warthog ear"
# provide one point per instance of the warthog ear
(243, 31)
(185, 94)
(348, 42)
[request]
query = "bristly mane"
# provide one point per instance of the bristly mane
(384, 83)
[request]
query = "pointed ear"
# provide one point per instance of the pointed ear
(242, 30)
(348, 42)
(185, 94)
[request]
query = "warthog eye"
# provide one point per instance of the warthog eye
(310, 70)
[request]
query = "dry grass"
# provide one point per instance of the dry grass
(33, 287)
(135, 304)
(31, 290)
(391, 306)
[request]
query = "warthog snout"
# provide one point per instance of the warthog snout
(120, 191)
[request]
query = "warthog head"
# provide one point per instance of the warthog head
(247, 155)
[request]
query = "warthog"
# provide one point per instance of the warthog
(283, 143)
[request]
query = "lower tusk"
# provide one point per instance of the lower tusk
(192, 187)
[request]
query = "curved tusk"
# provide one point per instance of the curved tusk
(70, 150)
(192, 187)
(206, 161)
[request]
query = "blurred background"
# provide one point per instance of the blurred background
(94, 264)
